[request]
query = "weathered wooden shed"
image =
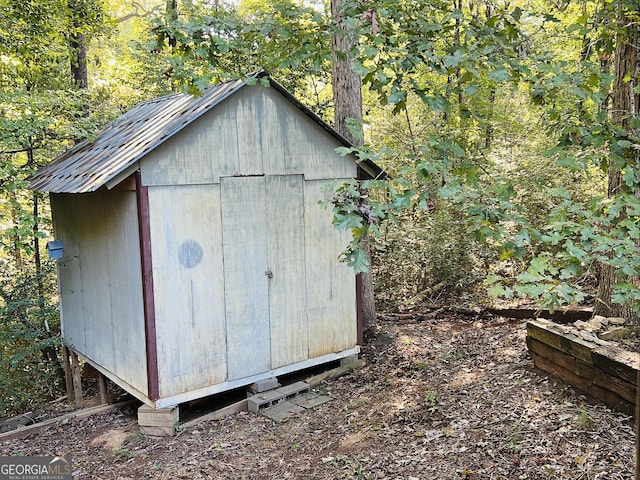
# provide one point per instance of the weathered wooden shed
(196, 258)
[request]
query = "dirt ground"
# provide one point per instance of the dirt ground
(439, 398)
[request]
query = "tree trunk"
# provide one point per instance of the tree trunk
(77, 47)
(347, 85)
(625, 104)
(79, 71)
(347, 98)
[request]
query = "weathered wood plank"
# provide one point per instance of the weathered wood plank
(256, 131)
(100, 275)
(308, 148)
(584, 384)
(240, 406)
(249, 113)
(95, 266)
(122, 247)
(199, 154)
(331, 295)
(561, 338)
(246, 283)
(84, 413)
(563, 315)
(104, 391)
(285, 238)
(334, 373)
(68, 376)
(77, 380)
(64, 212)
(186, 243)
(272, 136)
(592, 374)
(617, 362)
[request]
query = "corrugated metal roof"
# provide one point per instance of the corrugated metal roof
(91, 164)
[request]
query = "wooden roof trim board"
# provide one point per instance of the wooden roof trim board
(94, 163)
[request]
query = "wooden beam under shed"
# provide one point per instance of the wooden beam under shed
(77, 379)
(104, 391)
(68, 377)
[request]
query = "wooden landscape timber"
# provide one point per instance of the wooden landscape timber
(425, 312)
(83, 413)
(597, 367)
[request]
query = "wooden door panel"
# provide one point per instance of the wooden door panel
(246, 285)
(285, 238)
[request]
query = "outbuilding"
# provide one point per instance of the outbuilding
(195, 257)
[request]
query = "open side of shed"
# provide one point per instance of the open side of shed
(196, 258)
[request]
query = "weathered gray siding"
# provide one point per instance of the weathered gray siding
(246, 285)
(331, 296)
(100, 278)
(249, 177)
(186, 243)
(254, 132)
(286, 254)
(246, 275)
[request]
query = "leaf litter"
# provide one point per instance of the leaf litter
(454, 397)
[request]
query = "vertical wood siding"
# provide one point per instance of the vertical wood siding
(246, 285)
(330, 286)
(199, 154)
(125, 285)
(231, 197)
(101, 281)
(63, 209)
(186, 243)
(286, 253)
(257, 131)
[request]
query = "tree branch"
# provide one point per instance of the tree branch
(137, 7)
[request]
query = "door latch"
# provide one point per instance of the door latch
(269, 273)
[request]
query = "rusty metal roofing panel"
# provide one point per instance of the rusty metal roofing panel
(91, 164)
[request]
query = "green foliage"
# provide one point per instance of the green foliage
(461, 74)
(29, 336)
(577, 238)
(208, 44)
(426, 256)
(34, 40)
(437, 51)
(42, 113)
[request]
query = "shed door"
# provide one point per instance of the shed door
(263, 242)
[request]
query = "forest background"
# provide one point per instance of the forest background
(508, 129)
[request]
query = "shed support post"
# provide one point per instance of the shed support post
(104, 391)
(77, 379)
(68, 381)
(158, 422)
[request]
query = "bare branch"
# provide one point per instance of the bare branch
(137, 7)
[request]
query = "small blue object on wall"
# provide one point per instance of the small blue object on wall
(55, 249)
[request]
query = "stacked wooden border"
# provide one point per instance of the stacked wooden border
(595, 366)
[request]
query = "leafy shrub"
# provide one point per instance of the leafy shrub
(30, 371)
(426, 257)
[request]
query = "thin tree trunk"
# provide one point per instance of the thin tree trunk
(347, 97)
(488, 131)
(77, 47)
(17, 248)
(79, 71)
